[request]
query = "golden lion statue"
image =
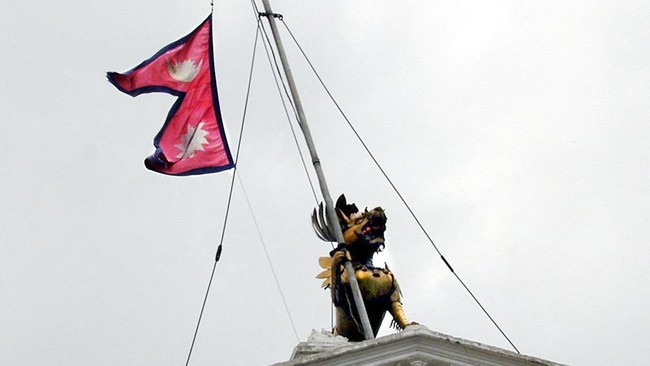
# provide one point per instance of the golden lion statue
(364, 236)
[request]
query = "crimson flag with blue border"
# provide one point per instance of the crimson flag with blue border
(192, 140)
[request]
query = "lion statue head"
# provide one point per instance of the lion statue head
(363, 231)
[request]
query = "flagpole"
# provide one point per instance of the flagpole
(329, 207)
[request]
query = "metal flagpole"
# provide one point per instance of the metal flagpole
(329, 207)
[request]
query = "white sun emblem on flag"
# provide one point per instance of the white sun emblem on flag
(184, 71)
(193, 140)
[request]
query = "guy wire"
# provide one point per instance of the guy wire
(394, 187)
(268, 257)
(232, 182)
(275, 69)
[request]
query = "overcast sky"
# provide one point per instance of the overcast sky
(517, 131)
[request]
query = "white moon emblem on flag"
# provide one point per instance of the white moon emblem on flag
(184, 71)
(193, 140)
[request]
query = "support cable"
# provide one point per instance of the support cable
(275, 70)
(268, 257)
(395, 188)
(232, 183)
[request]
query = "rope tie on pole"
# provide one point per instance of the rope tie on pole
(275, 15)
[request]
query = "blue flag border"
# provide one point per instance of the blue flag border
(153, 162)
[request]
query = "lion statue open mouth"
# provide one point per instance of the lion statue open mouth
(363, 233)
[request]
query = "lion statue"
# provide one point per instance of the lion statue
(364, 236)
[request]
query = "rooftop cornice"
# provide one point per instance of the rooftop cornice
(417, 345)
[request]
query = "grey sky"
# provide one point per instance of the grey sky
(516, 130)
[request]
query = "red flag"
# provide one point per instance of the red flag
(192, 140)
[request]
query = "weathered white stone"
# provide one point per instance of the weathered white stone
(318, 342)
(325, 336)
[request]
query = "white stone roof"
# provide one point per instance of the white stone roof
(415, 346)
